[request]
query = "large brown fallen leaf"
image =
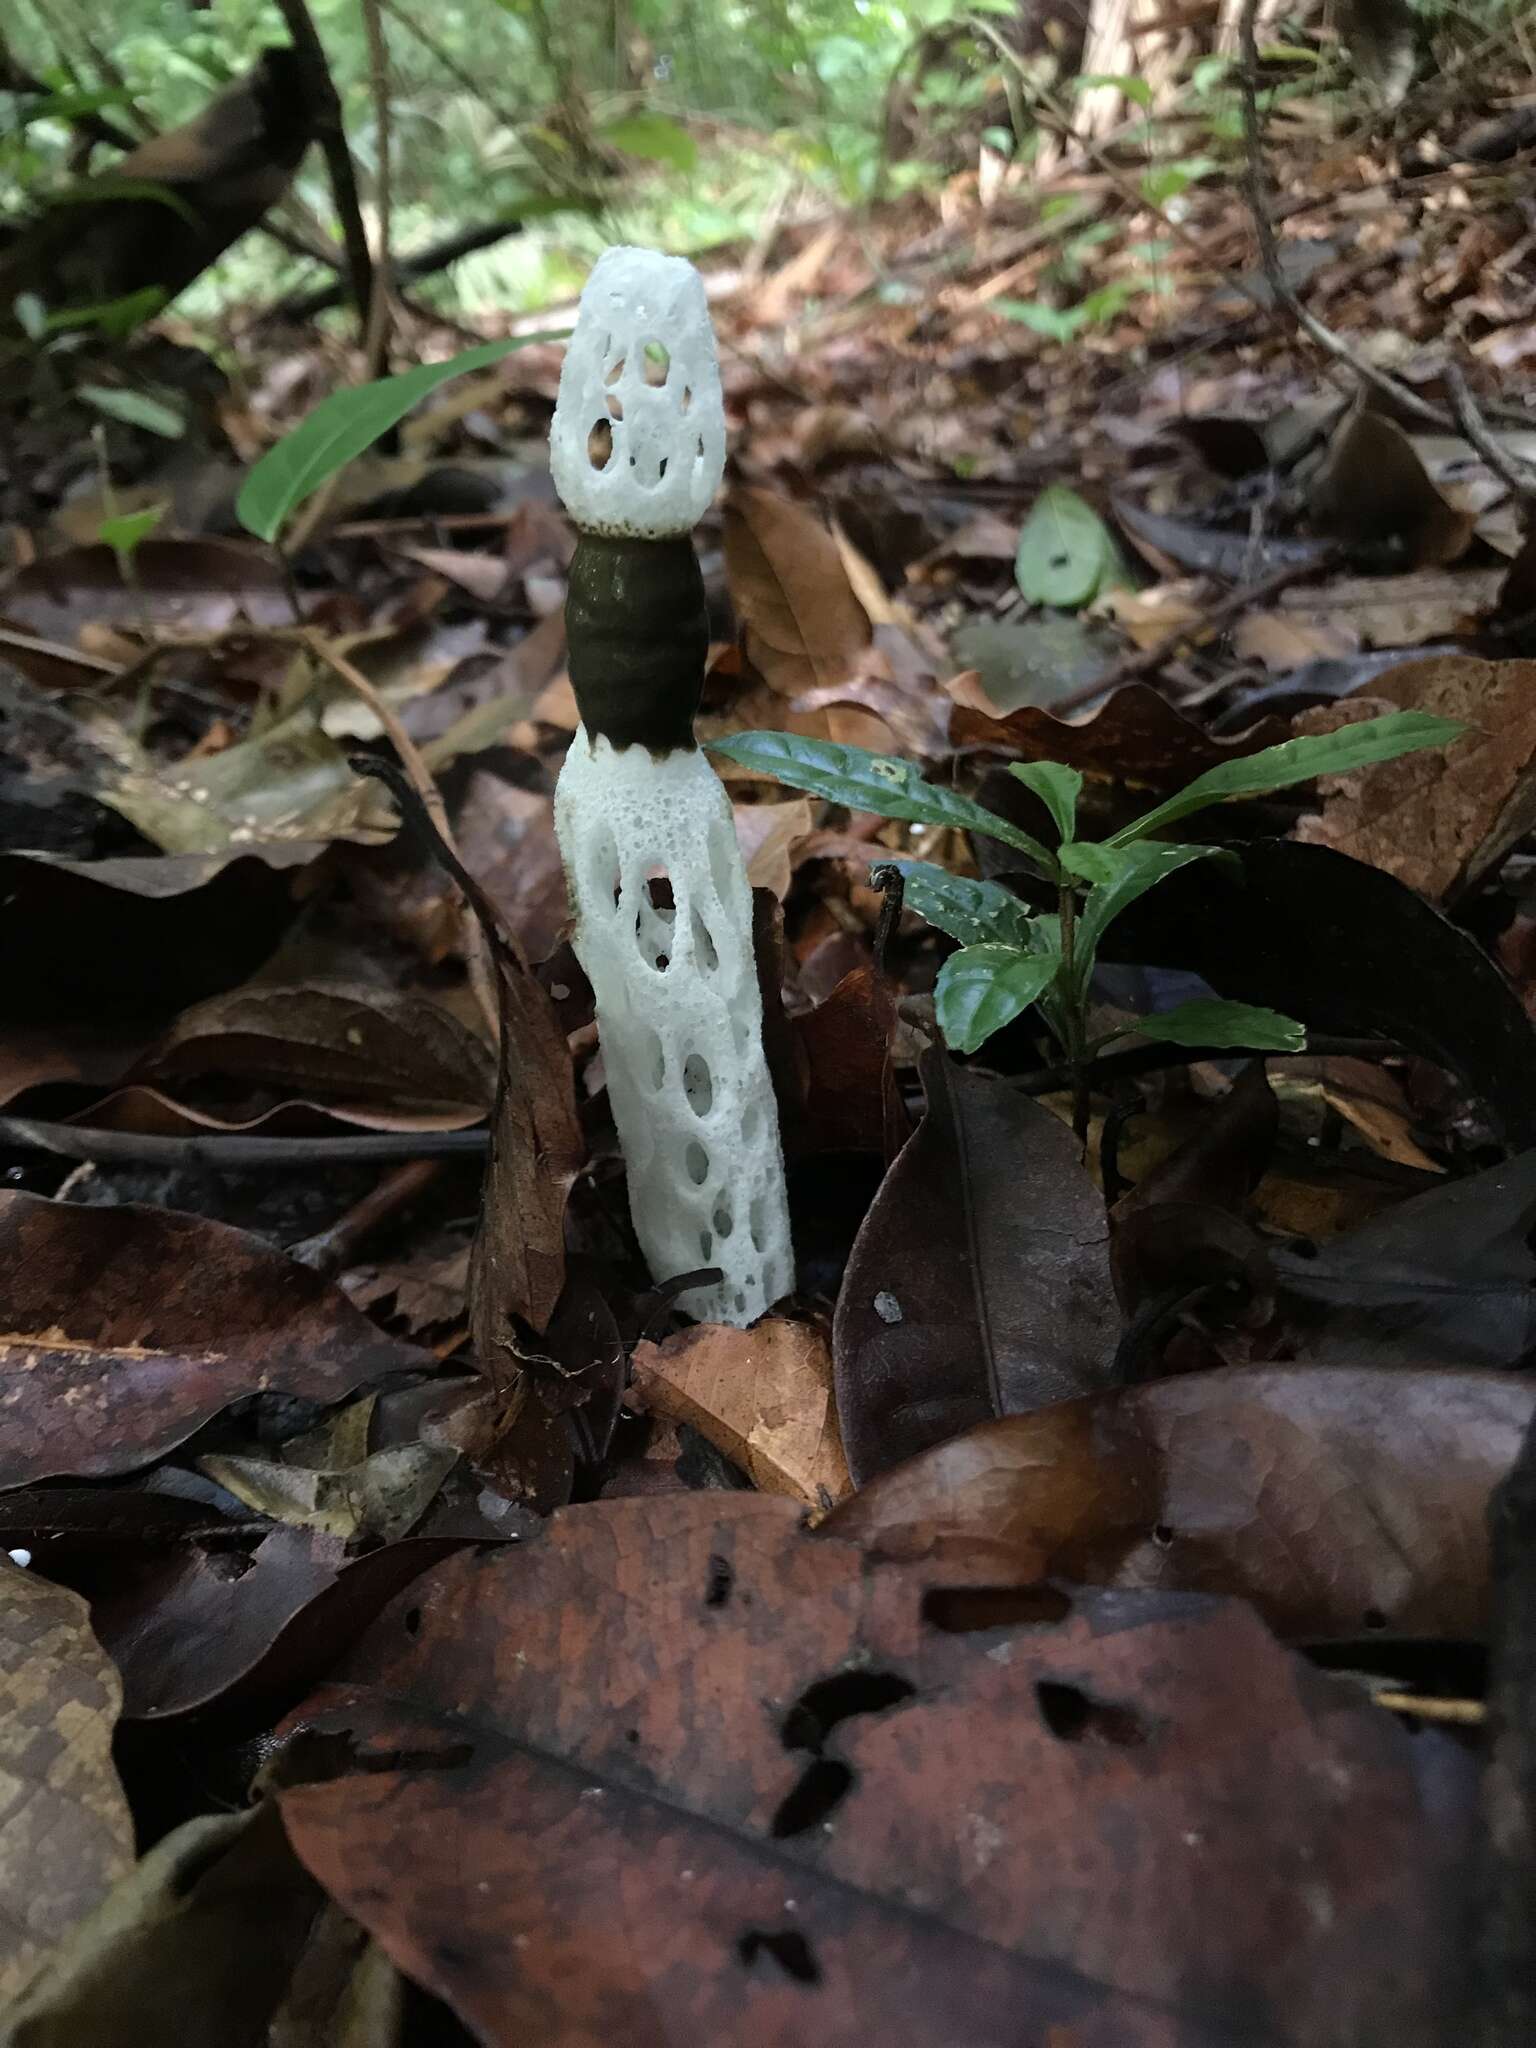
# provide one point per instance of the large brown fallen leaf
(805, 629)
(66, 1835)
(123, 1330)
(1137, 737)
(343, 1040)
(762, 1396)
(678, 1771)
(1338, 1501)
(1438, 820)
(979, 1281)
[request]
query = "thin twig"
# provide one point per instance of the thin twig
(1401, 395)
(1519, 475)
(233, 1149)
(376, 341)
(420, 776)
(1146, 661)
(323, 96)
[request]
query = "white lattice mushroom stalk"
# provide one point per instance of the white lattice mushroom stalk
(663, 907)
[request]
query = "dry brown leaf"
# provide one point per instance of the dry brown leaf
(804, 628)
(1373, 488)
(1397, 611)
(762, 1396)
(767, 835)
(65, 1828)
(1439, 819)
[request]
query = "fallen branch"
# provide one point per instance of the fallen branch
(232, 1149)
(320, 88)
(1146, 661)
(427, 262)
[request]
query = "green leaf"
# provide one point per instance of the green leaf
(871, 782)
(985, 987)
(1145, 865)
(975, 913)
(136, 409)
(1135, 89)
(341, 428)
(1091, 863)
(1065, 551)
(123, 533)
(1058, 788)
(1293, 761)
(655, 138)
(1208, 1022)
(1051, 321)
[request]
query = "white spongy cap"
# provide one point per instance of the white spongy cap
(637, 446)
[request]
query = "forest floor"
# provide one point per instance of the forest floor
(1101, 1529)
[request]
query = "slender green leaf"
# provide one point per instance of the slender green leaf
(1065, 551)
(654, 137)
(1293, 761)
(1208, 1022)
(871, 782)
(985, 987)
(975, 913)
(341, 428)
(124, 531)
(1054, 322)
(1058, 788)
(135, 409)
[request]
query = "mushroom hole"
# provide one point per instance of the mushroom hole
(739, 1302)
(653, 925)
(685, 403)
(696, 1163)
(698, 1084)
(600, 444)
(722, 1219)
(614, 371)
(706, 1246)
(615, 406)
(654, 1054)
(751, 1122)
(661, 469)
(757, 1216)
(706, 954)
(658, 363)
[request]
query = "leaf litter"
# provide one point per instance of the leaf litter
(1147, 1450)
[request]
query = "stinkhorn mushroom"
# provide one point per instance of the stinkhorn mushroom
(663, 909)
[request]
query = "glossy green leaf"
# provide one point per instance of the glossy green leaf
(1293, 761)
(655, 138)
(1209, 1022)
(1144, 865)
(124, 531)
(985, 987)
(1065, 551)
(973, 912)
(341, 428)
(1091, 863)
(1056, 323)
(135, 409)
(871, 782)
(1058, 788)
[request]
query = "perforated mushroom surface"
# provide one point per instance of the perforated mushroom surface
(664, 931)
(637, 447)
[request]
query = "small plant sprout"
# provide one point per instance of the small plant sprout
(663, 908)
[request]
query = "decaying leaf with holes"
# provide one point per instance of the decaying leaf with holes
(679, 1769)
